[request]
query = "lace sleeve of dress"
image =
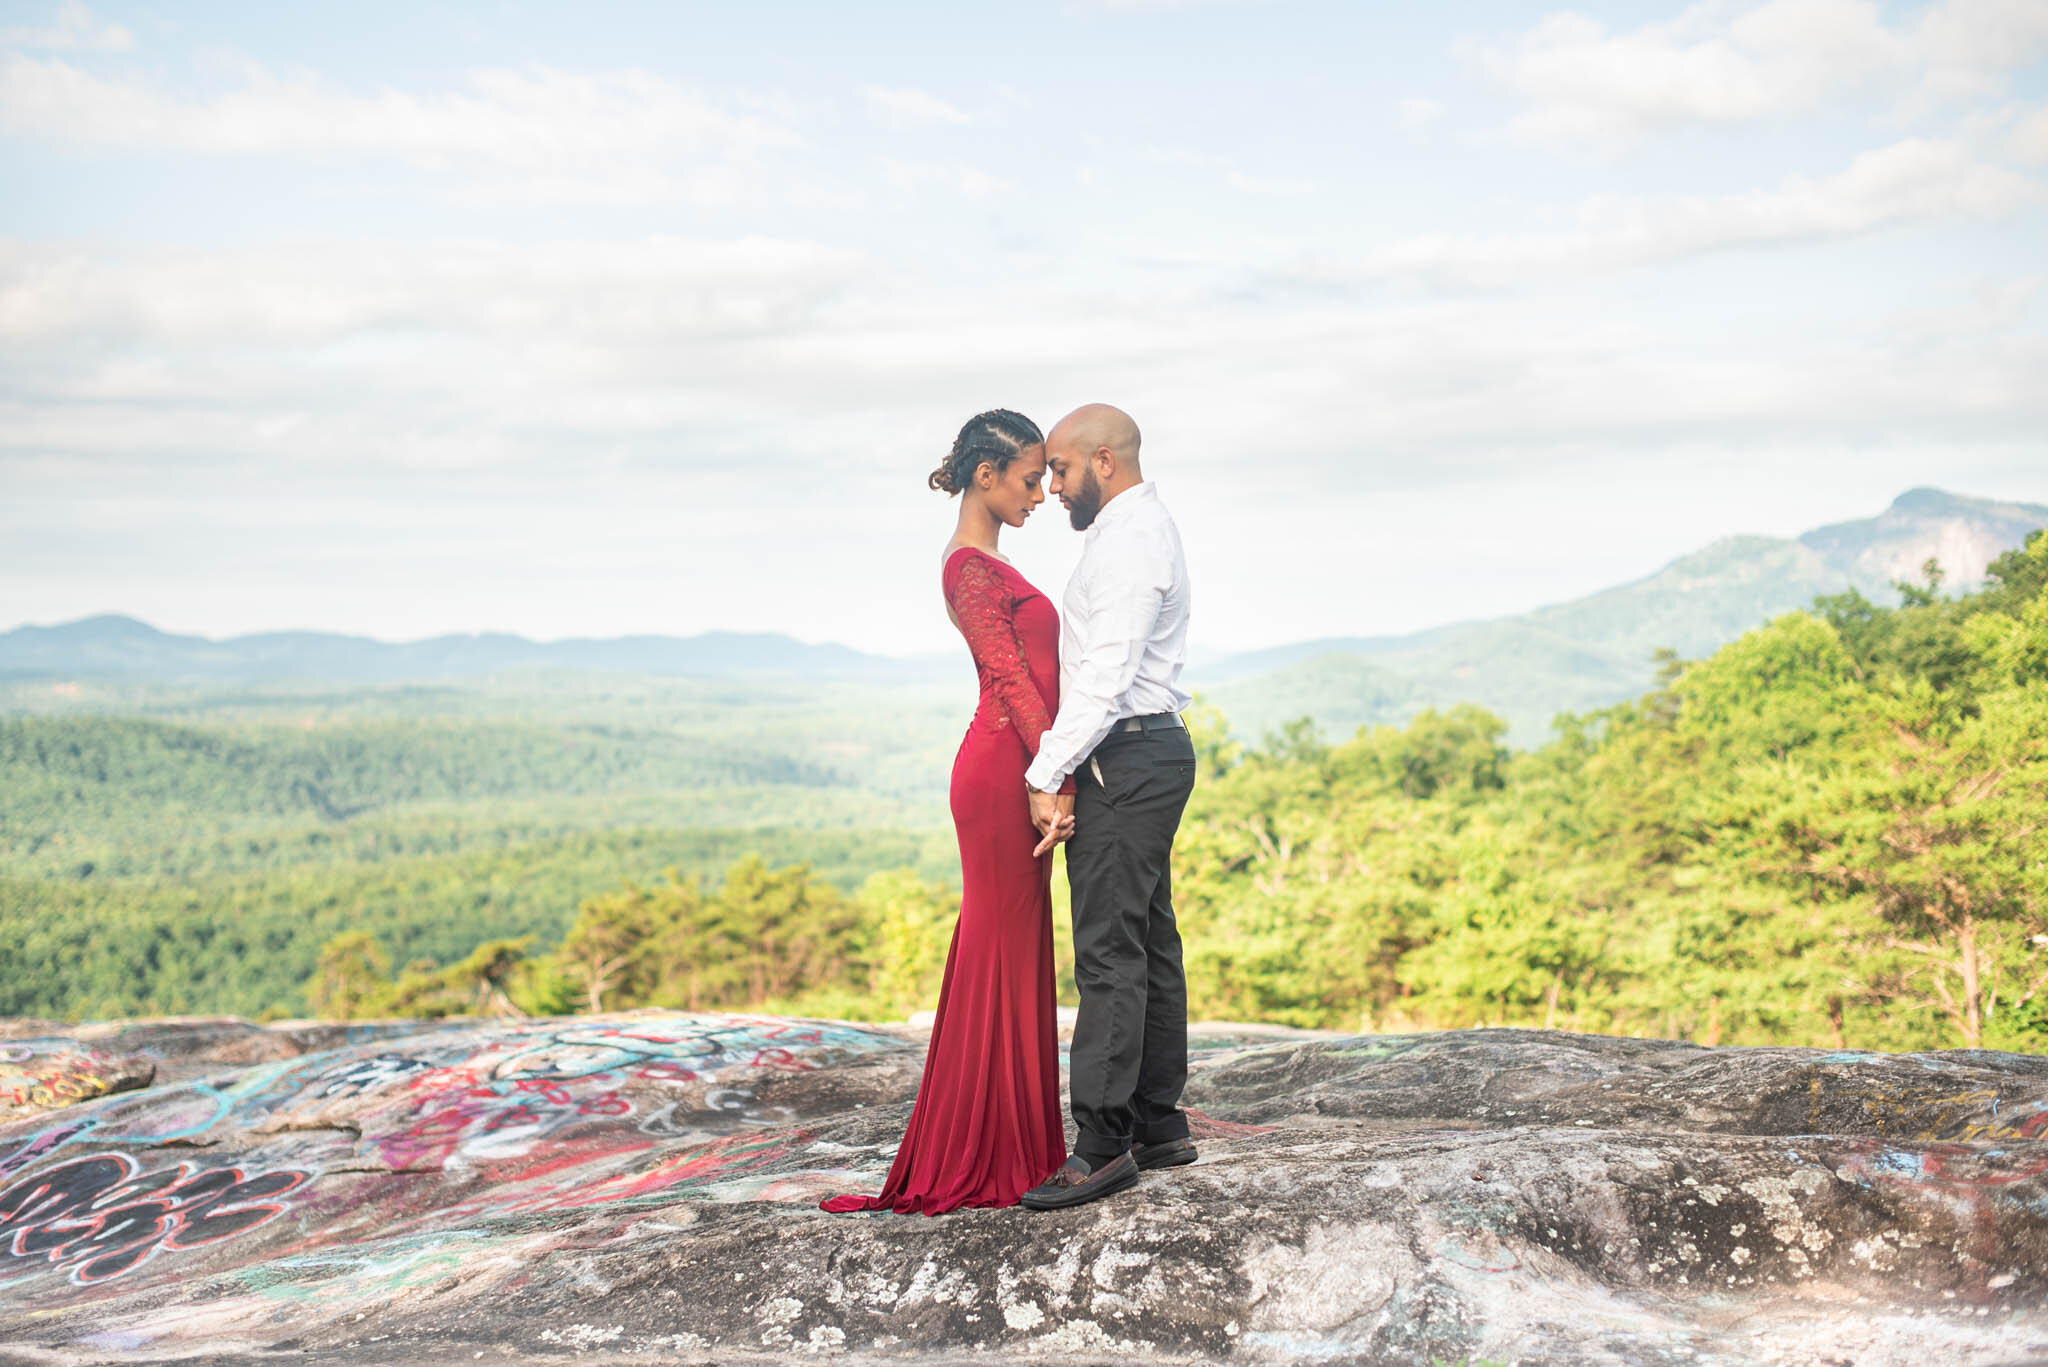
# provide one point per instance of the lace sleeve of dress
(987, 612)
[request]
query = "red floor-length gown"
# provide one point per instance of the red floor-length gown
(987, 1125)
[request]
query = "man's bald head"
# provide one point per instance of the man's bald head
(1098, 427)
(1092, 456)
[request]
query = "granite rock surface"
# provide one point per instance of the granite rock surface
(643, 1188)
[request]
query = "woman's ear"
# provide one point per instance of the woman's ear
(985, 476)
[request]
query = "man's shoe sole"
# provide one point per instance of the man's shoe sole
(1081, 1196)
(1175, 1159)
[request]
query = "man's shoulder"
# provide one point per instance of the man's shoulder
(1153, 515)
(1154, 523)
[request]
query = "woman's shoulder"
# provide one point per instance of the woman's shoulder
(972, 566)
(965, 561)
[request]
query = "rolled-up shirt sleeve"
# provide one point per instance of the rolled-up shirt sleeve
(1124, 595)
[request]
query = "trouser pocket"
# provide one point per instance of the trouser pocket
(1130, 766)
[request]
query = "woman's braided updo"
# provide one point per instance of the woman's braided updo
(997, 437)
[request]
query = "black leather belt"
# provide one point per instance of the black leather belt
(1158, 721)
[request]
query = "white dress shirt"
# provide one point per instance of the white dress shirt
(1123, 632)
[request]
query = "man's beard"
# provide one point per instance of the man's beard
(1085, 503)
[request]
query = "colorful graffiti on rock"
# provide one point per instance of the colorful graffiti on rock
(480, 1092)
(497, 1100)
(38, 1074)
(494, 1126)
(103, 1216)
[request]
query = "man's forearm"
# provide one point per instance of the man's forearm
(1072, 736)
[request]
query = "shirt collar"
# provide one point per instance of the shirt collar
(1123, 505)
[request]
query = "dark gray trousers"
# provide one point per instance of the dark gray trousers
(1130, 1055)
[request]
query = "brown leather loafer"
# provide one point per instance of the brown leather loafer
(1073, 1185)
(1167, 1153)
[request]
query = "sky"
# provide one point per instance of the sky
(404, 319)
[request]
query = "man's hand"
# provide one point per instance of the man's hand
(1053, 815)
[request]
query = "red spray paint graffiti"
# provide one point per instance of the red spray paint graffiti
(101, 1217)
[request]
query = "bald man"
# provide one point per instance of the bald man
(1123, 644)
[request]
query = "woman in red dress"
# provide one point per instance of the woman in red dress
(987, 1126)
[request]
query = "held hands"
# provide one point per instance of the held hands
(1053, 815)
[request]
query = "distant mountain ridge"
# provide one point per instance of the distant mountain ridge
(1571, 656)
(114, 646)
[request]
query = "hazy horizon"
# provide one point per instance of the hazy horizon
(1212, 648)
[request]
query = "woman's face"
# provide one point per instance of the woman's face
(1016, 492)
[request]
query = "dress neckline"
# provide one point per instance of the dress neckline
(980, 552)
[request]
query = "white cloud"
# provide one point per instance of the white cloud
(75, 28)
(507, 356)
(536, 134)
(1586, 85)
(1919, 180)
(322, 293)
(443, 356)
(905, 106)
(1968, 46)
(594, 432)
(1719, 64)
(2029, 142)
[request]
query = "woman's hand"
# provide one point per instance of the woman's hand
(1053, 815)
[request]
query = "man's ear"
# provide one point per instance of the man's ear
(1105, 464)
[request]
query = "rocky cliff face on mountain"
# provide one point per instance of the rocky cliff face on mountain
(1964, 534)
(643, 1188)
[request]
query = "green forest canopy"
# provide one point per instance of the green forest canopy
(1828, 832)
